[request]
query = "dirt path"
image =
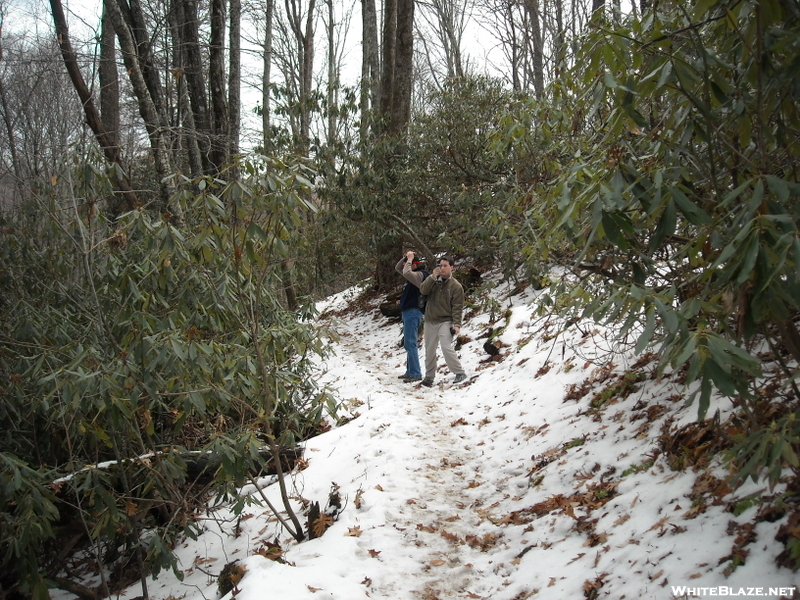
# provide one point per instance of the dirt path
(438, 514)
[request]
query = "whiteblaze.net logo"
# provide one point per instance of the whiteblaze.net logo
(683, 591)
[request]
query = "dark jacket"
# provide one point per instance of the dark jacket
(410, 297)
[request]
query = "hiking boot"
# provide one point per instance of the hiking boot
(403, 376)
(459, 378)
(427, 382)
(409, 379)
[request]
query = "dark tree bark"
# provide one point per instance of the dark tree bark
(388, 57)
(235, 76)
(109, 78)
(134, 17)
(404, 68)
(267, 75)
(186, 13)
(333, 76)
(537, 51)
(110, 150)
(216, 81)
(370, 66)
(187, 130)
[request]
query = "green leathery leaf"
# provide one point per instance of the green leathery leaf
(649, 329)
(693, 213)
(721, 379)
(665, 228)
(254, 231)
(750, 256)
(705, 398)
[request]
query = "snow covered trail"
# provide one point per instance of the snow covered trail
(427, 477)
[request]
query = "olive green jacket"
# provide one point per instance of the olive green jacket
(445, 300)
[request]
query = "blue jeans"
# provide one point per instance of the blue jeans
(412, 318)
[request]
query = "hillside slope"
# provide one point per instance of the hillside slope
(550, 474)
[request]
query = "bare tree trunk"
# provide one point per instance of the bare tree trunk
(561, 58)
(185, 115)
(110, 150)
(304, 38)
(134, 16)
(403, 71)
(235, 75)
(216, 82)
(109, 77)
(154, 122)
(186, 118)
(333, 77)
(186, 11)
(388, 59)
(532, 7)
(370, 66)
(307, 74)
(266, 78)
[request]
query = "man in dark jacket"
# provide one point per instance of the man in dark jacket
(443, 314)
(412, 269)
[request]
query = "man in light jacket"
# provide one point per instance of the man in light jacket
(443, 314)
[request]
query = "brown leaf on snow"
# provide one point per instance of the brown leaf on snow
(595, 539)
(580, 555)
(321, 524)
(460, 421)
(374, 553)
(271, 551)
(437, 563)
(353, 532)
(659, 524)
(313, 590)
(622, 519)
(483, 542)
(451, 537)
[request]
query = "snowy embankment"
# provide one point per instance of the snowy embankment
(540, 477)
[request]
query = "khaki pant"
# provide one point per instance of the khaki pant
(439, 334)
